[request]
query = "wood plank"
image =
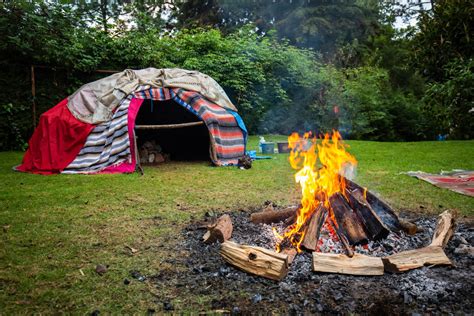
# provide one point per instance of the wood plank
(220, 231)
(313, 230)
(169, 126)
(255, 260)
(339, 263)
(444, 228)
(416, 258)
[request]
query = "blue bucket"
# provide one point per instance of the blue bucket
(268, 148)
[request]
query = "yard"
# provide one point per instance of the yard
(56, 229)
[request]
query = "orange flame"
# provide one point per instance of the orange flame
(319, 166)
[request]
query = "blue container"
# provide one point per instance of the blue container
(268, 148)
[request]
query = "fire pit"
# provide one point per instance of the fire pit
(339, 228)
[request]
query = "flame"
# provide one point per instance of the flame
(319, 165)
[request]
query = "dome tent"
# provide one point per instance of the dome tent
(93, 130)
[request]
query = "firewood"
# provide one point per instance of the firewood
(220, 231)
(408, 227)
(416, 258)
(342, 239)
(256, 260)
(313, 230)
(339, 263)
(444, 228)
(291, 253)
(373, 224)
(269, 216)
(383, 210)
(347, 220)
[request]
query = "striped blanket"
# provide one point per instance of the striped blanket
(108, 144)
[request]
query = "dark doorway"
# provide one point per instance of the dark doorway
(187, 143)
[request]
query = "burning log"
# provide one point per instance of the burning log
(444, 228)
(313, 230)
(374, 226)
(412, 259)
(347, 220)
(291, 253)
(339, 263)
(343, 239)
(220, 231)
(431, 255)
(256, 260)
(269, 216)
(382, 209)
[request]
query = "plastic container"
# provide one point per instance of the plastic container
(283, 147)
(268, 148)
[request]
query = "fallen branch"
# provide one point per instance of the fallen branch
(339, 263)
(256, 260)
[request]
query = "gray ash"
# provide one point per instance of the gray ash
(433, 290)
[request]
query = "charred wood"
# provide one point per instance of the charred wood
(347, 220)
(373, 224)
(313, 230)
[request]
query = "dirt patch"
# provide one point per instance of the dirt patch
(201, 273)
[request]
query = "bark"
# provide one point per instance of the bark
(220, 231)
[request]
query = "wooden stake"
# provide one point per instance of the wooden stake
(339, 263)
(256, 260)
(313, 230)
(220, 231)
(269, 217)
(444, 228)
(416, 258)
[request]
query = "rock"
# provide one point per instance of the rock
(256, 298)
(137, 275)
(464, 250)
(126, 281)
(167, 306)
(101, 269)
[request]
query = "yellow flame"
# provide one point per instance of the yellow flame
(319, 165)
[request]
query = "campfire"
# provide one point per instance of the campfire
(333, 210)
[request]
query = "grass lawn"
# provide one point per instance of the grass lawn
(57, 228)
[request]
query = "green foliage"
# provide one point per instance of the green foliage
(14, 126)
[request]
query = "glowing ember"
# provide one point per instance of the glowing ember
(319, 165)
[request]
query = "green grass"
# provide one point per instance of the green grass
(54, 227)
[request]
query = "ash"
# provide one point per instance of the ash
(435, 290)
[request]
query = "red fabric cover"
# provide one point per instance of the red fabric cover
(55, 142)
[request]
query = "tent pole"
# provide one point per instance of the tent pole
(33, 94)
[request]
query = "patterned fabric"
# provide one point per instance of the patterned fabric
(108, 144)
(228, 133)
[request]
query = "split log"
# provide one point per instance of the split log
(347, 220)
(313, 230)
(269, 216)
(416, 258)
(256, 260)
(383, 210)
(339, 263)
(444, 228)
(220, 231)
(373, 224)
